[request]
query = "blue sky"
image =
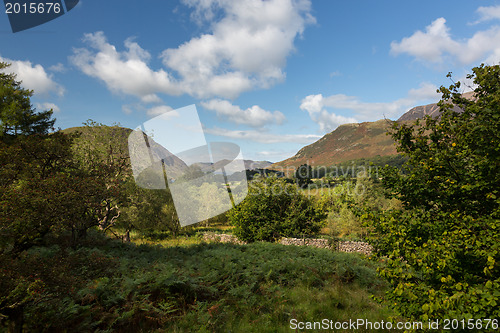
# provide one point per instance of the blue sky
(271, 76)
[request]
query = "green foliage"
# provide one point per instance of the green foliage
(303, 175)
(43, 192)
(17, 116)
(343, 203)
(102, 152)
(443, 248)
(359, 166)
(40, 287)
(149, 211)
(113, 286)
(274, 209)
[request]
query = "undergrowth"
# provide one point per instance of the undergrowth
(202, 288)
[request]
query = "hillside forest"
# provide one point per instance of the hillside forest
(83, 248)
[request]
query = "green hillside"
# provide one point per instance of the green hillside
(347, 142)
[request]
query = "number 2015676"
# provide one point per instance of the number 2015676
(32, 8)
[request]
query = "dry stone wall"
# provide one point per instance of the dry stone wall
(342, 246)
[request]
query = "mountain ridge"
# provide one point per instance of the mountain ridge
(357, 140)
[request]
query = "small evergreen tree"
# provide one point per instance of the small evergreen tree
(303, 175)
(17, 115)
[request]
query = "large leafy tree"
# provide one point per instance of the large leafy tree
(102, 152)
(43, 192)
(443, 247)
(17, 115)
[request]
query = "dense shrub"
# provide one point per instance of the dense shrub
(274, 209)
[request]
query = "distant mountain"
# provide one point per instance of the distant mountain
(252, 165)
(116, 138)
(347, 142)
(432, 110)
(249, 165)
(420, 112)
(354, 141)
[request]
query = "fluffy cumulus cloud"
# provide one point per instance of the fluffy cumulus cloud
(47, 106)
(317, 105)
(160, 109)
(33, 77)
(436, 44)
(254, 116)
(124, 72)
(488, 13)
(246, 49)
(263, 137)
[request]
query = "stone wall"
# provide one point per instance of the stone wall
(342, 246)
(222, 238)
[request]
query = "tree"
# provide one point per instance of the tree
(303, 174)
(17, 115)
(443, 247)
(102, 152)
(148, 211)
(274, 209)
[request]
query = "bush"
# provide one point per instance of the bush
(274, 209)
(443, 248)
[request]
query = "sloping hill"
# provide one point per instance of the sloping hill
(432, 110)
(354, 141)
(115, 138)
(347, 142)
(420, 112)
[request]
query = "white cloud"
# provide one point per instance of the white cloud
(263, 137)
(429, 45)
(484, 46)
(57, 68)
(127, 109)
(254, 116)
(437, 45)
(48, 106)
(273, 155)
(160, 109)
(426, 91)
(33, 77)
(151, 98)
(488, 13)
(316, 106)
(125, 72)
(245, 49)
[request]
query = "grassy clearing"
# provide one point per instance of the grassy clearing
(258, 287)
(186, 285)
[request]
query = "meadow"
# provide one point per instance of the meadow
(186, 285)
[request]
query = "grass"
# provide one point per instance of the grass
(187, 285)
(260, 287)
